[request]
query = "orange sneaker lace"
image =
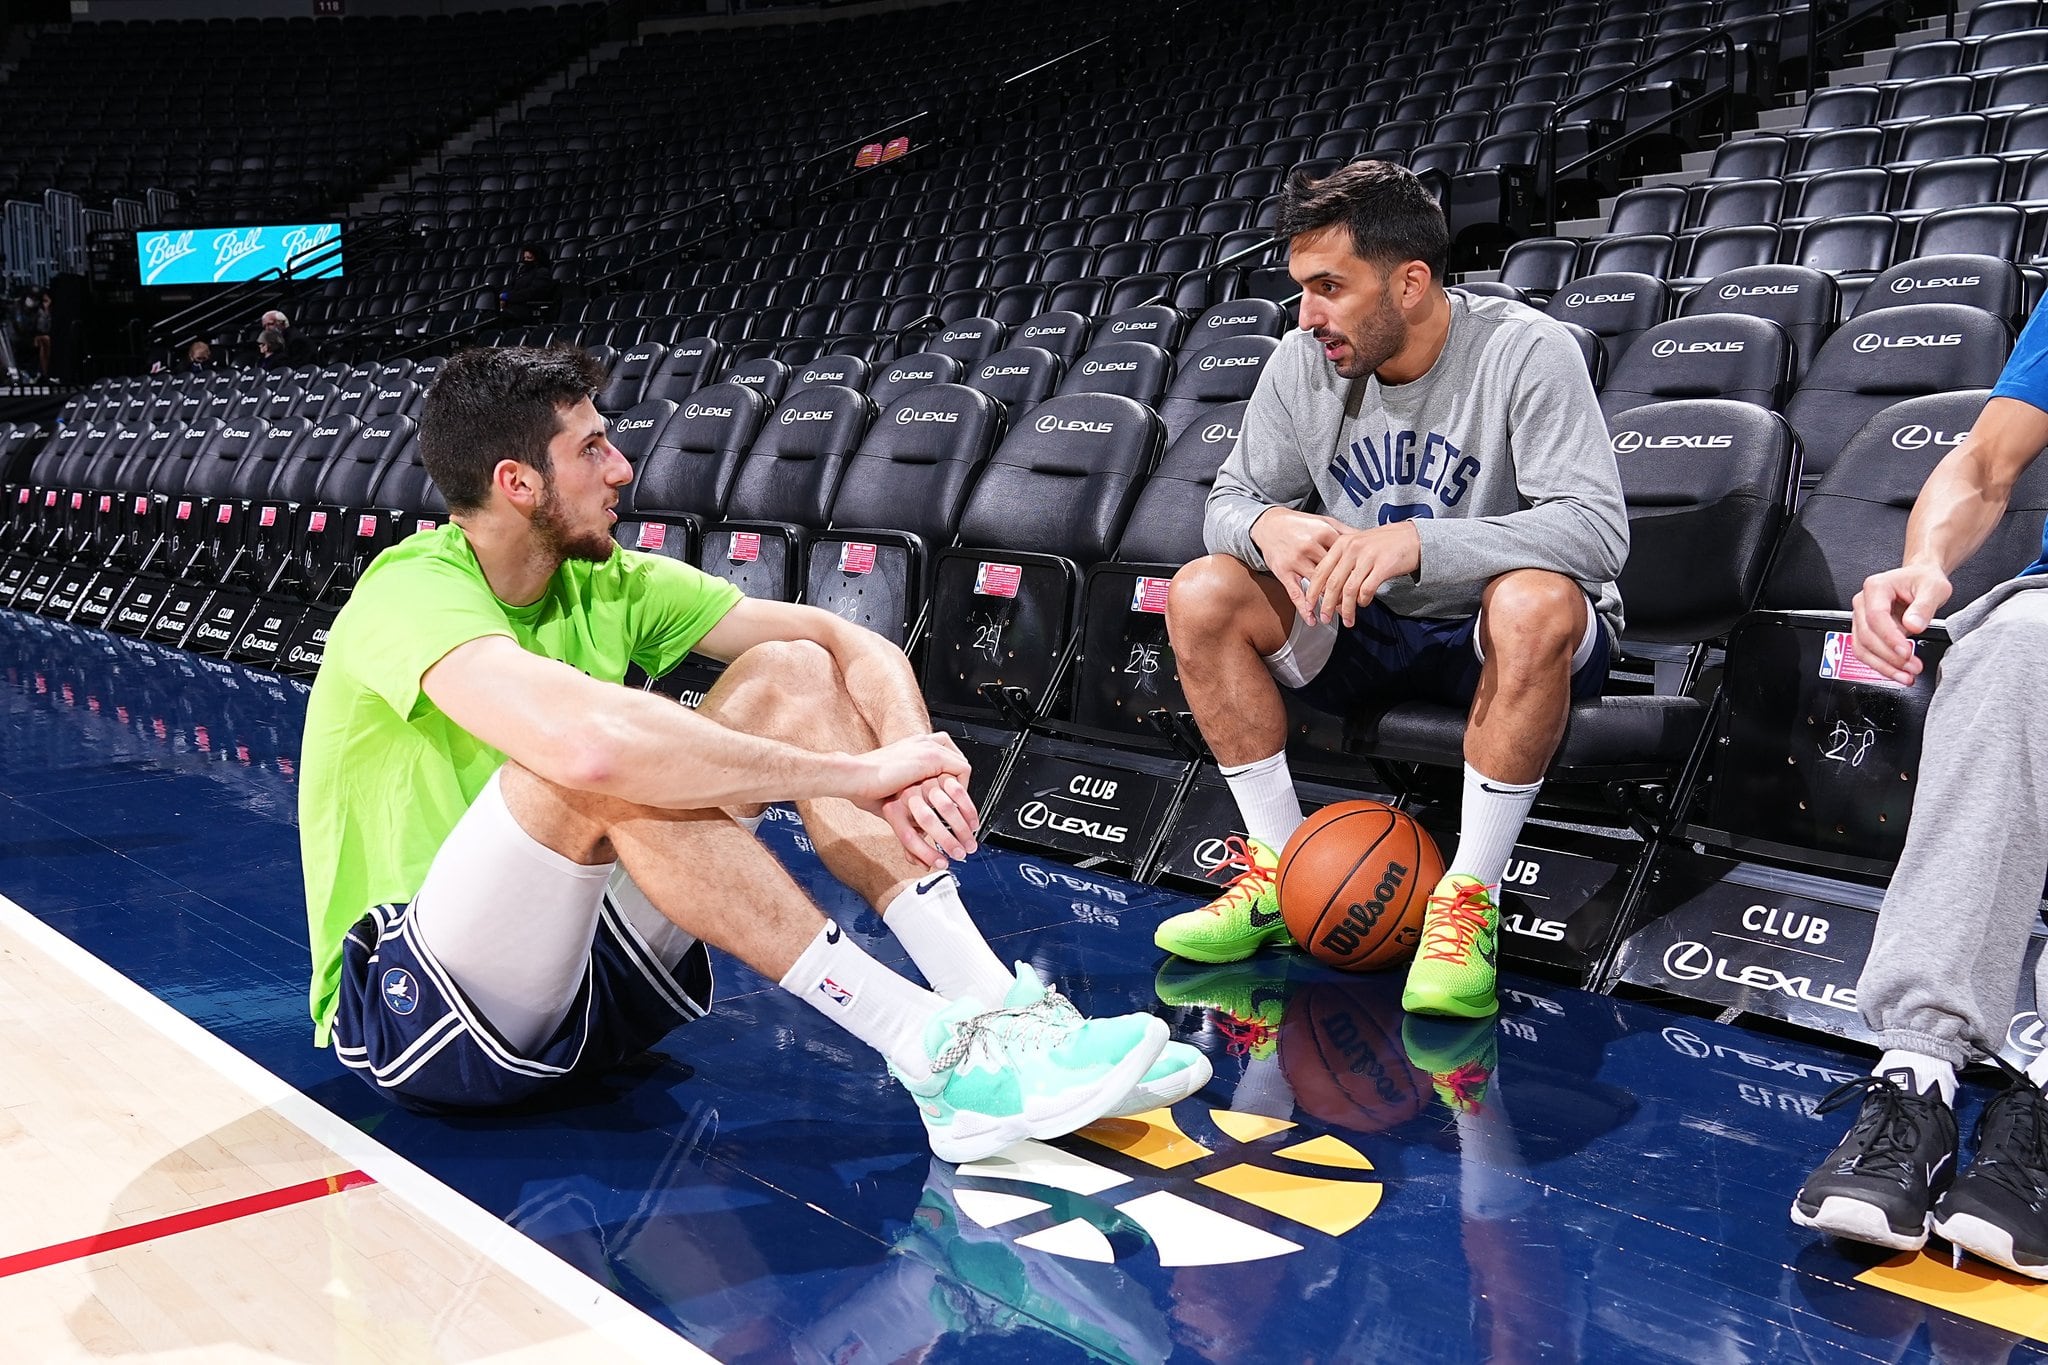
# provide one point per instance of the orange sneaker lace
(1240, 855)
(1467, 1084)
(1455, 924)
(1243, 1035)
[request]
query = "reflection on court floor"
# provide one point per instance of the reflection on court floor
(1587, 1179)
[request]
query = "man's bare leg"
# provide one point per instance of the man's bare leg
(793, 691)
(1226, 622)
(1531, 622)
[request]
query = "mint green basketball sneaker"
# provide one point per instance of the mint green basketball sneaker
(1000, 1076)
(1180, 1071)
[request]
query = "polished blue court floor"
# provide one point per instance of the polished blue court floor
(1611, 1185)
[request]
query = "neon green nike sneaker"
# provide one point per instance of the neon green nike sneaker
(1249, 1000)
(1244, 919)
(1180, 1071)
(1453, 970)
(1459, 1055)
(1000, 1076)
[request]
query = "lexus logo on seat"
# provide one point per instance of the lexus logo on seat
(1217, 431)
(1872, 341)
(1906, 285)
(1668, 347)
(1688, 961)
(1917, 437)
(1736, 291)
(1049, 422)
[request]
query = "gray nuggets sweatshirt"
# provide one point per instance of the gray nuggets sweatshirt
(1498, 454)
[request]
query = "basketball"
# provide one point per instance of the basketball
(1354, 881)
(1340, 1049)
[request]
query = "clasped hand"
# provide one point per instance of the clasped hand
(1329, 569)
(919, 786)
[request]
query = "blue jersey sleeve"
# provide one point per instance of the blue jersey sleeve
(2026, 371)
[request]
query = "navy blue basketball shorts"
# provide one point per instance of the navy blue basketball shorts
(1383, 659)
(513, 970)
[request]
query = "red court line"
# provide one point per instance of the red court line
(182, 1222)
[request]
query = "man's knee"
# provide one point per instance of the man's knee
(572, 822)
(1209, 596)
(1532, 617)
(774, 687)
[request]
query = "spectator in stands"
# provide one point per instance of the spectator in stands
(270, 350)
(294, 349)
(532, 285)
(1474, 530)
(198, 356)
(32, 329)
(468, 749)
(1944, 967)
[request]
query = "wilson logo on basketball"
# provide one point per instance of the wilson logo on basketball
(1359, 919)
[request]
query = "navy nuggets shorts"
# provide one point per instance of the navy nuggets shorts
(406, 1028)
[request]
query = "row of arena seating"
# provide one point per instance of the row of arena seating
(247, 119)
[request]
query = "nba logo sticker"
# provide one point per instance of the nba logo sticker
(856, 556)
(141, 506)
(835, 992)
(106, 503)
(77, 501)
(366, 524)
(400, 994)
(746, 547)
(1150, 595)
(184, 511)
(653, 535)
(997, 580)
(226, 514)
(267, 517)
(316, 523)
(424, 525)
(1838, 661)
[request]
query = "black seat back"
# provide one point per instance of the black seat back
(686, 368)
(1063, 483)
(912, 470)
(1061, 331)
(794, 466)
(691, 470)
(1801, 301)
(1707, 483)
(1617, 307)
(638, 430)
(970, 339)
(1238, 317)
(1984, 282)
(1223, 373)
(1018, 378)
(1135, 369)
(1854, 523)
(1874, 360)
(901, 377)
(1166, 522)
(1713, 355)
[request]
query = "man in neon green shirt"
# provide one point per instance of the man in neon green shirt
(513, 863)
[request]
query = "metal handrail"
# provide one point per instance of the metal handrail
(1549, 171)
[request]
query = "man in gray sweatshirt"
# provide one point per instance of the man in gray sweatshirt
(1424, 505)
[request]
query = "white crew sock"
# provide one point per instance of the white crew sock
(750, 823)
(836, 977)
(1925, 1071)
(934, 927)
(1493, 815)
(1266, 799)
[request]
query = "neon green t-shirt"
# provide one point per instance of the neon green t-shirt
(384, 775)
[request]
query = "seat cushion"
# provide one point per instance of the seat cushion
(1607, 737)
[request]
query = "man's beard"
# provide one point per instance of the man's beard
(596, 547)
(1378, 338)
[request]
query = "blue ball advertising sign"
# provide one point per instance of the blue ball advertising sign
(228, 254)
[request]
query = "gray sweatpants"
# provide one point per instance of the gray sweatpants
(1944, 966)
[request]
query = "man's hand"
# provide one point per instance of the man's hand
(1294, 544)
(1893, 606)
(919, 786)
(1353, 569)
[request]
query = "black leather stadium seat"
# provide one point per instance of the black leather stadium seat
(1711, 355)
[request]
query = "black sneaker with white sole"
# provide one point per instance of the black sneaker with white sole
(1998, 1208)
(1881, 1184)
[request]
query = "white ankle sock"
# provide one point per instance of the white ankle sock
(836, 977)
(934, 927)
(1493, 814)
(750, 823)
(1925, 1070)
(1266, 799)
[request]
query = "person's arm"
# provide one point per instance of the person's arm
(588, 735)
(1958, 507)
(879, 680)
(1574, 522)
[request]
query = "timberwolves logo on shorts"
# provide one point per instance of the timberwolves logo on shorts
(400, 993)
